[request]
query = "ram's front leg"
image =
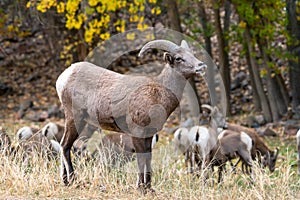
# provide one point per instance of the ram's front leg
(144, 155)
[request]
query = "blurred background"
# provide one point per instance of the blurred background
(255, 45)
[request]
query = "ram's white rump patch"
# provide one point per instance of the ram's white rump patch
(247, 140)
(63, 79)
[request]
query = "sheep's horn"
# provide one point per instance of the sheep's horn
(207, 107)
(159, 44)
(277, 152)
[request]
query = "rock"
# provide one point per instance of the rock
(5, 89)
(24, 105)
(260, 119)
(291, 129)
(42, 116)
(37, 116)
(240, 80)
(54, 111)
(266, 131)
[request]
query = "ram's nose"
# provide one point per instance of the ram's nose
(201, 68)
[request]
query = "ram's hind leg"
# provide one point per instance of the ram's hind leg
(70, 135)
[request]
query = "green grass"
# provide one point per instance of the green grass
(94, 180)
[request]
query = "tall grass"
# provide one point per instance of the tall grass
(40, 178)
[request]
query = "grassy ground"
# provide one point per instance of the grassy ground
(94, 180)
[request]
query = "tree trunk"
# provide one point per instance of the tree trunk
(257, 81)
(276, 98)
(294, 48)
(256, 98)
(223, 55)
(173, 15)
(207, 35)
(205, 24)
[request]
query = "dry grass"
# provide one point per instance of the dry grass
(40, 179)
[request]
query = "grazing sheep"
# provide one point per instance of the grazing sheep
(230, 146)
(298, 149)
(183, 142)
(25, 133)
(205, 137)
(33, 141)
(136, 105)
(259, 148)
(54, 133)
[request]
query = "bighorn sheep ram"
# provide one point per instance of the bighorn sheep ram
(259, 148)
(136, 105)
(298, 149)
(230, 145)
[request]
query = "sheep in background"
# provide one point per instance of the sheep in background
(183, 142)
(33, 141)
(25, 133)
(205, 137)
(259, 149)
(55, 131)
(231, 145)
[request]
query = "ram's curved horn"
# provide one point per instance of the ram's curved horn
(159, 44)
(207, 107)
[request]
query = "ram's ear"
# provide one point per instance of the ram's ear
(168, 58)
(185, 45)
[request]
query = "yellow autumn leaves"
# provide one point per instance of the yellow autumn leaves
(94, 16)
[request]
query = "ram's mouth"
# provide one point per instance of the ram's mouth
(201, 69)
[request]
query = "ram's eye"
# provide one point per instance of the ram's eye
(179, 59)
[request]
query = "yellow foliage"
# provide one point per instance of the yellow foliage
(60, 7)
(155, 11)
(93, 2)
(28, 4)
(242, 24)
(121, 4)
(134, 18)
(100, 9)
(132, 8)
(130, 36)
(142, 26)
(93, 17)
(45, 5)
(112, 5)
(152, 1)
(105, 36)
(88, 35)
(150, 36)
